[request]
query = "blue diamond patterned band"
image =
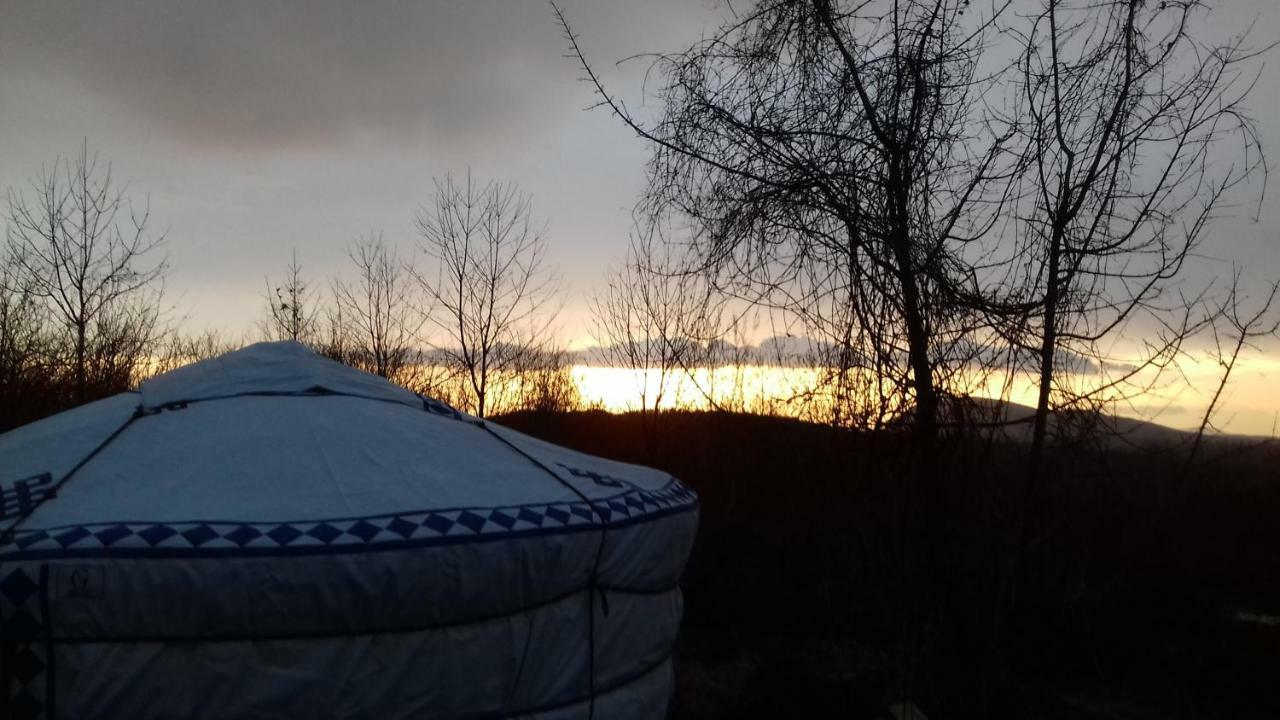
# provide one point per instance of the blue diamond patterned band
(407, 529)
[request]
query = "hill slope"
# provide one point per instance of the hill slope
(799, 605)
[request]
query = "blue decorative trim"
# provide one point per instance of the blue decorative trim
(433, 405)
(25, 661)
(25, 495)
(595, 477)
(402, 530)
(671, 484)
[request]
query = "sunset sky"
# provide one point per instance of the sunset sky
(262, 128)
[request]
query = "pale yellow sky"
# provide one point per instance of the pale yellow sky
(1250, 404)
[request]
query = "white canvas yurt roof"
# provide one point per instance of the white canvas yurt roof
(272, 534)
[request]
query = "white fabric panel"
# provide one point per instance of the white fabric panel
(638, 631)
(271, 596)
(564, 462)
(279, 367)
(247, 596)
(289, 459)
(650, 556)
(645, 697)
(56, 444)
(531, 664)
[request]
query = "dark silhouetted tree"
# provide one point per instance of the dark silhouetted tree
(644, 317)
(828, 159)
(1133, 133)
(291, 307)
(377, 315)
(85, 252)
(487, 282)
(26, 380)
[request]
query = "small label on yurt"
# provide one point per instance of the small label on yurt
(84, 582)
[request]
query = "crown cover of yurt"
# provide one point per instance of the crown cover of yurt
(272, 534)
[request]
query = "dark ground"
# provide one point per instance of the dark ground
(802, 600)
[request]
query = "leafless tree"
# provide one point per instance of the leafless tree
(1237, 330)
(543, 382)
(828, 157)
(86, 253)
(488, 286)
(291, 307)
(642, 317)
(180, 348)
(721, 353)
(377, 316)
(1133, 133)
(21, 322)
(24, 351)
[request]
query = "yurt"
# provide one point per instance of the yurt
(270, 534)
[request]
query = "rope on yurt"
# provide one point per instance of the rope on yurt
(8, 534)
(595, 586)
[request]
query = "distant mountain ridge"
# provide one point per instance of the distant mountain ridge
(1015, 422)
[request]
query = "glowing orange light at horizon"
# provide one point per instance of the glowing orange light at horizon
(1250, 406)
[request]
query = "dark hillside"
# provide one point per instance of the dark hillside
(1151, 592)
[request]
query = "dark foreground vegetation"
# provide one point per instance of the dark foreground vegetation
(1146, 595)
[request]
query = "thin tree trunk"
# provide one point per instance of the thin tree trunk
(1033, 482)
(1048, 347)
(82, 379)
(917, 335)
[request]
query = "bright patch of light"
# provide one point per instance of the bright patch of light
(1249, 406)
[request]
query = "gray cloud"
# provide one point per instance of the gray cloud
(259, 127)
(259, 75)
